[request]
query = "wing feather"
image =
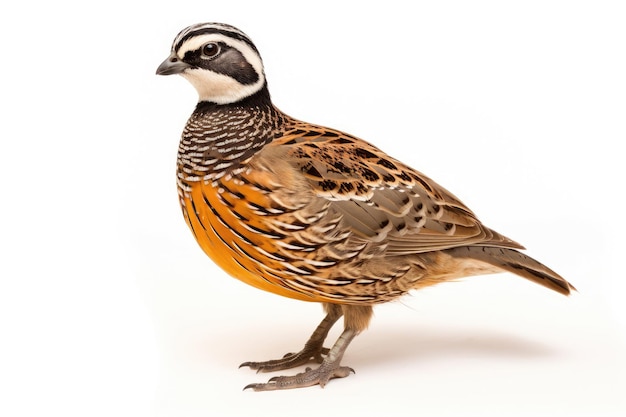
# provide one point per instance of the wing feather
(381, 199)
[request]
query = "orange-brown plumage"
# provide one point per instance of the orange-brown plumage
(320, 206)
(313, 213)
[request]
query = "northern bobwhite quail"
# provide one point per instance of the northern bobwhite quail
(310, 212)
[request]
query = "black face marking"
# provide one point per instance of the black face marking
(232, 63)
(227, 60)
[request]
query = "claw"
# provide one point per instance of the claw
(255, 387)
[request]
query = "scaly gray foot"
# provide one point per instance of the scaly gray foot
(290, 360)
(329, 368)
(321, 375)
(313, 350)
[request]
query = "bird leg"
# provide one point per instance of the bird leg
(329, 368)
(356, 319)
(313, 350)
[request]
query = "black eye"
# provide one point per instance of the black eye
(210, 50)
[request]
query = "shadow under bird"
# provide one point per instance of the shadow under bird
(312, 213)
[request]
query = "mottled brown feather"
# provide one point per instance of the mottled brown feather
(320, 215)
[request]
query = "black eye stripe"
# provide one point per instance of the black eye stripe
(230, 61)
(191, 56)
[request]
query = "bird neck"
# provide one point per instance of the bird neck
(259, 99)
(218, 138)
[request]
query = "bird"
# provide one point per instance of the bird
(312, 213)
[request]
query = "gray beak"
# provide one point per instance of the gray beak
(172, 65)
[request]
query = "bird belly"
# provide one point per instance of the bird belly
(228, 235)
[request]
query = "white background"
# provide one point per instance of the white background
(108, 307)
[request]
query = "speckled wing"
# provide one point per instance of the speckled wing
(381, 199)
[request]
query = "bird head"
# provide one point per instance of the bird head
(219, 60)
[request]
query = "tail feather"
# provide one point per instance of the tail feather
(516, 262)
